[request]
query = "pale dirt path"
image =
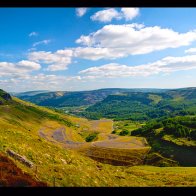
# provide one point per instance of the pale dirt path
(112, 149)
(59, 135)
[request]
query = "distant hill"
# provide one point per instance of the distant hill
(77, 98)
(118, 103)
(144, 105)
(29, 93)
(184, 93)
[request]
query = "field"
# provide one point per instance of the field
(179, 141)
(126, 125)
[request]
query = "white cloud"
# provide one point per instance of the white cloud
(58, 60)
(31, 49)
(57, 67)
(81, 11)
(33, 34)
(29, 65)
(18, 69)
(93, 53)
(165, 65)
(114, 70)
(18, 75)
(190, 50)
(107, 15)
(44, 42)
(130, 13)
(131, 39)
(26, 82)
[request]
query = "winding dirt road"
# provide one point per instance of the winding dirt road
(114, 149)
(59, 136)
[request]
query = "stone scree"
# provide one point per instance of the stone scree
(20, 158)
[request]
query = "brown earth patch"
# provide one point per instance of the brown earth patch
(12, 176)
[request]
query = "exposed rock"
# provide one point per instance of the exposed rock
(64, 161)
(4, 97)
(7, 97)
(20, 158)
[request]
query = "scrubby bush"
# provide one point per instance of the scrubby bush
(91, 137)
(124, 132)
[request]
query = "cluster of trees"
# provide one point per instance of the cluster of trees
(91, 137)
(122, 133)
(177, 130)
(178, 126)
(181, 126)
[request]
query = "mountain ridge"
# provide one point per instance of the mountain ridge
(78, 98)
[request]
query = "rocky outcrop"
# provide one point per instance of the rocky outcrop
(7, 97)
(20, 158)
(4, 97)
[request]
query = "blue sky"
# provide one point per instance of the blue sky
(91, 48)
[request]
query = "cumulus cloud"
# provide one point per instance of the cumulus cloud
(43, 42)
(165, 65)
(58, 60)
(130, 39)
(130, 13)
(28, 65)
(190, 50)
(18, 69)
(95, 53)
(39, 81)
(107, 15)
(33, 34)
(81, 11)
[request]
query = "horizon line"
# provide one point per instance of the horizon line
(102, 89)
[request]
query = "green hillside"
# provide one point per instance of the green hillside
(142, 106)
(77, 98)
(173, 137)
(21, 124)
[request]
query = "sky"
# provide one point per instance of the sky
(75, 49)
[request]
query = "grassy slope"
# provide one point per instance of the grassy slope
(126, 125)
(168, 143)
(185, 155)
(19, 125)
